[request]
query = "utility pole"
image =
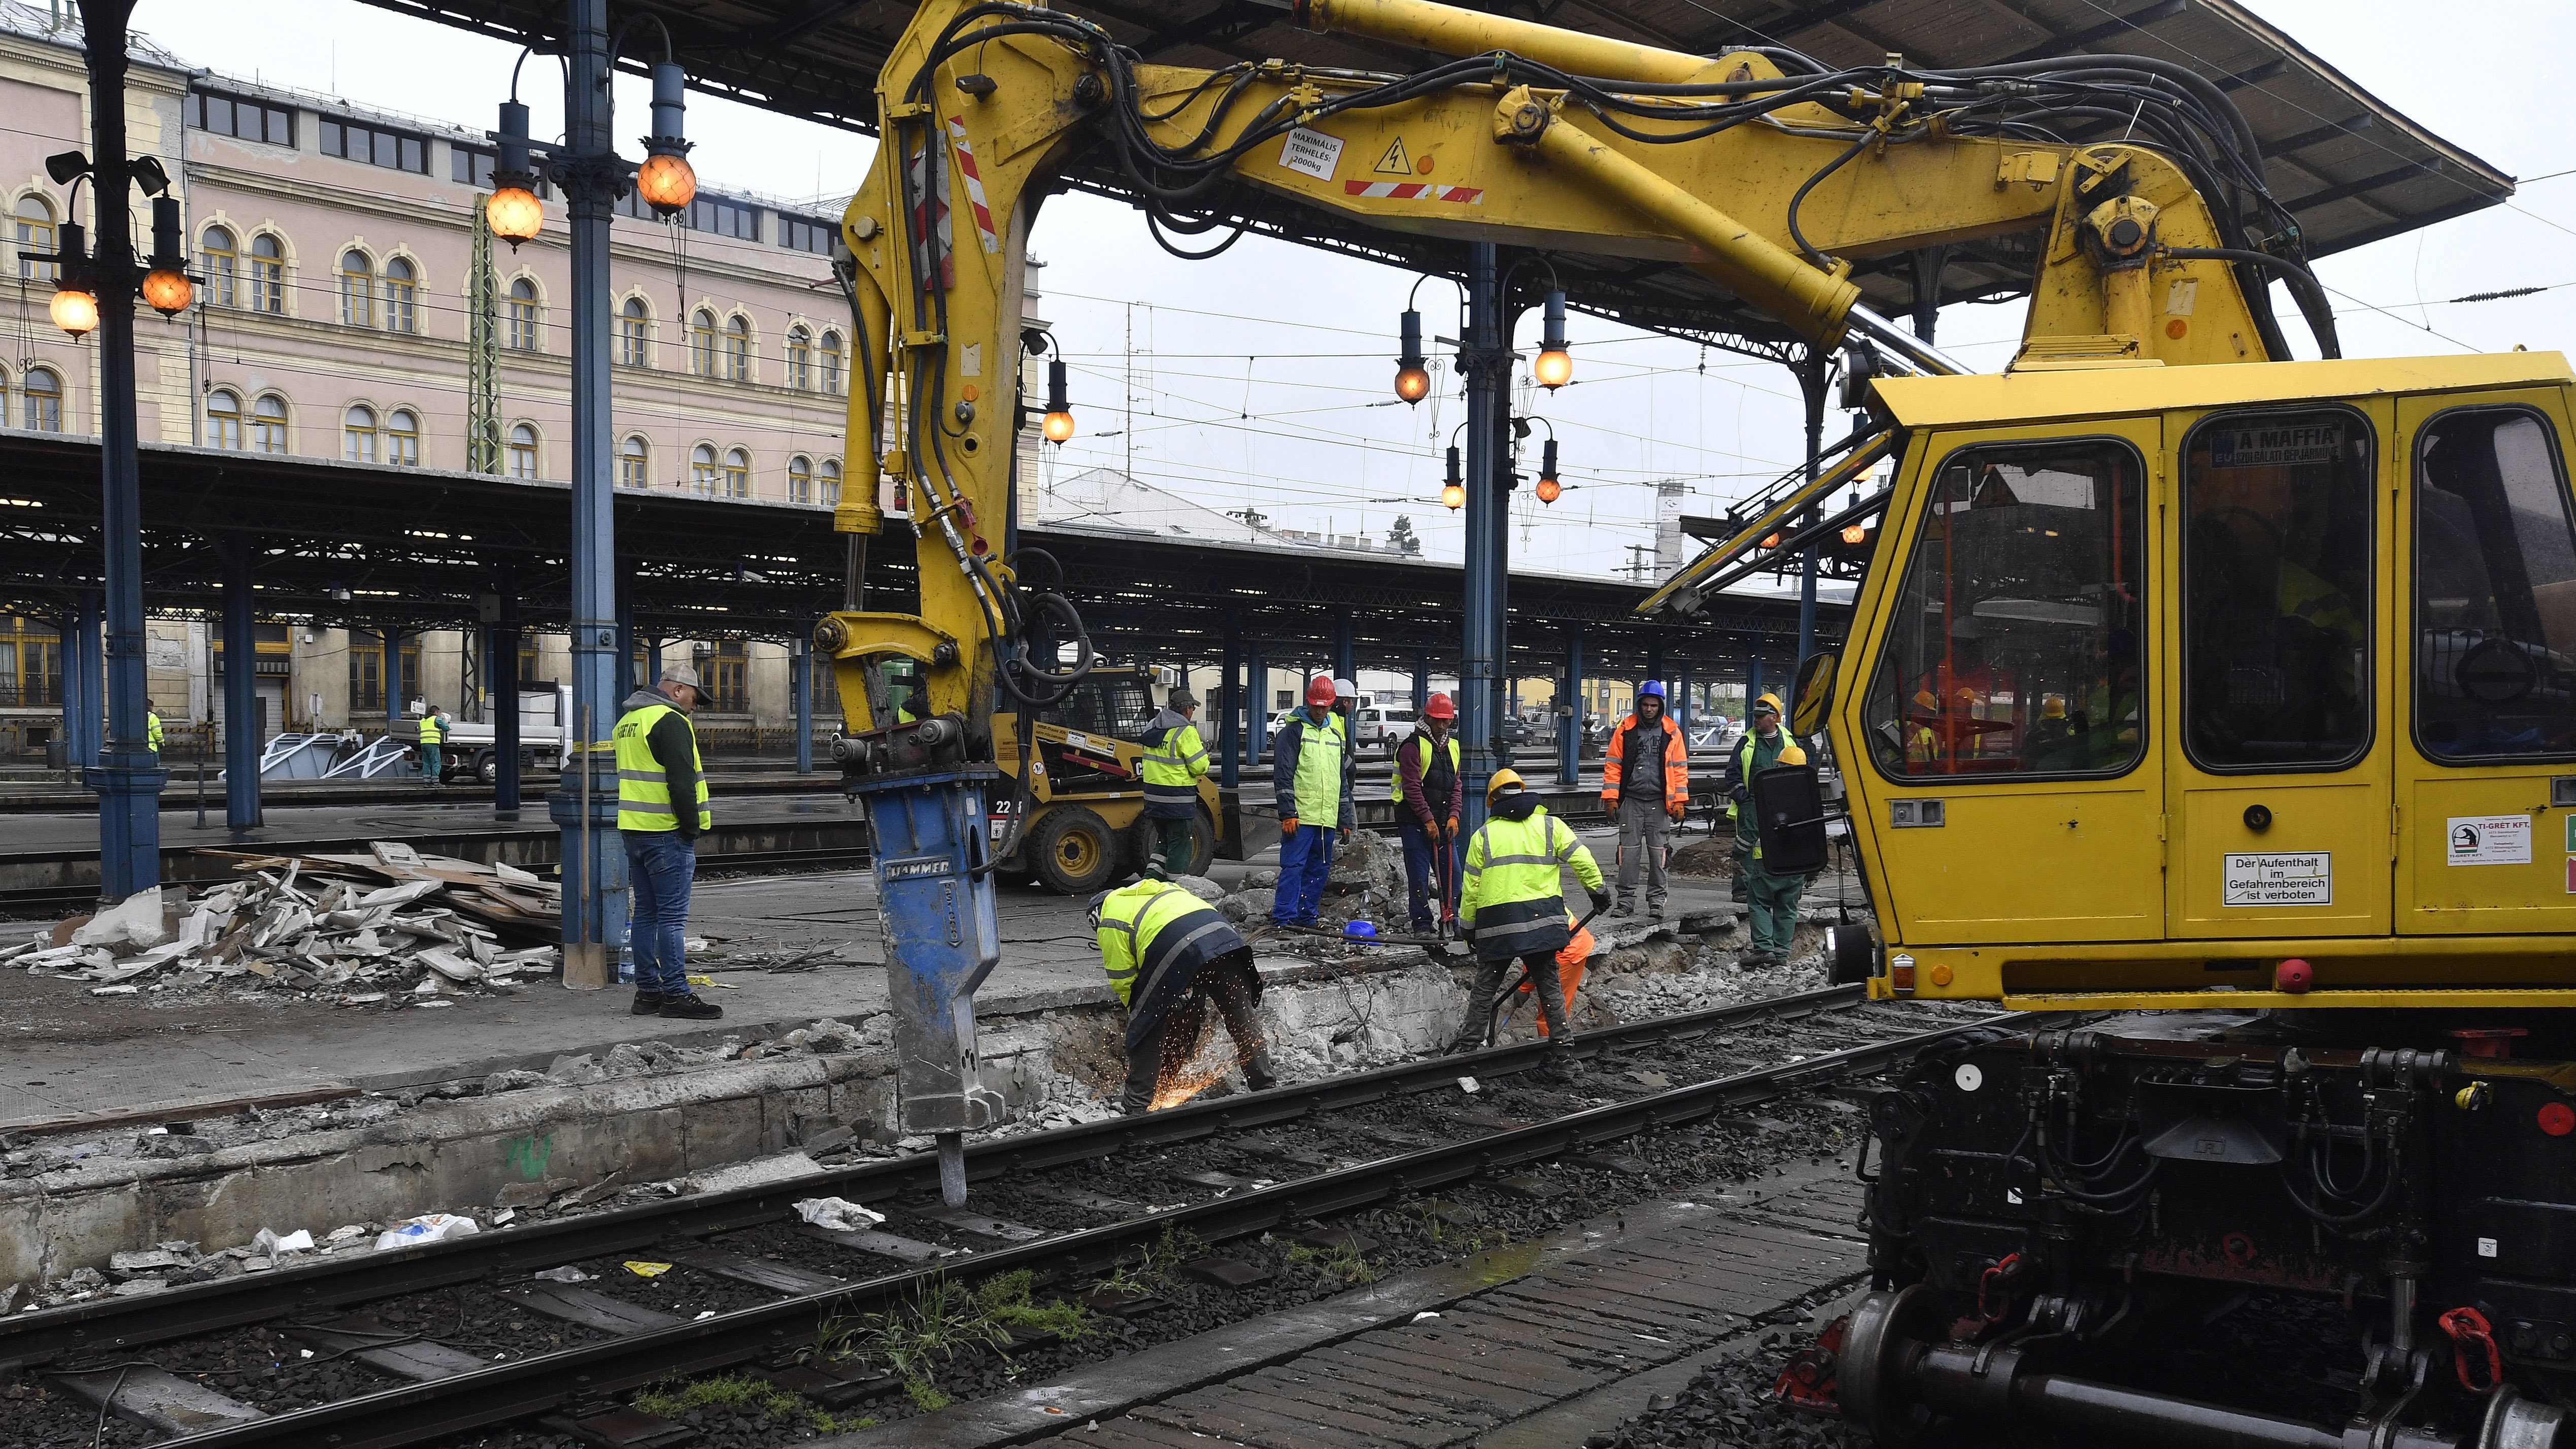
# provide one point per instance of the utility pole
(128, 777)
(1486, 364)
(483, 357)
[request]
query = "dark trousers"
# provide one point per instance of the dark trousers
(1165, 1052)
(1489, 991)
(1172, 843)
(659, 867)
(1423, 877)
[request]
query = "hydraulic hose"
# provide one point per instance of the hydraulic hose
(2303, 285)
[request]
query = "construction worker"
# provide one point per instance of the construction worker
(1171, 770)
(152, 728)
(658, 764)
(1310, 776)
(1430, 794)
(1512, 906)
(1346, 697)
(1645, 786)
(1773, 898)
(1571, 963)
(1170, 956)
(433, 733)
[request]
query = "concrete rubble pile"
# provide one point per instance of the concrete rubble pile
(394, 924)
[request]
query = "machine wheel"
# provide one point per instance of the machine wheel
(487, 767)
(1851, 955)
(1881, 1328)
(1073, 850)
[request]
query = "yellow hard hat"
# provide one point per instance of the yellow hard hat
(2052, 706)
(1923, 700)
(1503, 780)
(1768, 701)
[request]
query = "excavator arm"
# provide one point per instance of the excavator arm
(1770, 182)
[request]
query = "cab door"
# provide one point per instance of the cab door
(2488, 554)
(2012, 793)
(2278, 758)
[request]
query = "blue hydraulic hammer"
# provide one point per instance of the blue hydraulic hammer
(935, 911)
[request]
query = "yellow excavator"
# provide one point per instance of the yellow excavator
(2217, 710)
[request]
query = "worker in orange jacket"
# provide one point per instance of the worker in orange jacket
(1645, 786)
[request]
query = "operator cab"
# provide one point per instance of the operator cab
(2162, 676)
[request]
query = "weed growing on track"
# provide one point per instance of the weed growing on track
(674, 1398)
(943, 1317)
(1332, 1267)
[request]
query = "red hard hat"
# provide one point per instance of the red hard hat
(1319, 690)
(1439, 707)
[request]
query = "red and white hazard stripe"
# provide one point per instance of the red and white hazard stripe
(974, 184)
(1416, 191)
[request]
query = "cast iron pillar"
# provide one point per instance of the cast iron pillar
(800, 681)
(1229, 708)
(1569, 714)
(1486, 364)
(128, 777)
(1256, 713)
(241, 689)
(1343, 653)
(594, 902)
(501, 667)
(82, 724)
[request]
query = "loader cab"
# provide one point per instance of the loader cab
(2161, 676)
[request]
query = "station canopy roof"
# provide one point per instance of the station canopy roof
(2352, 168)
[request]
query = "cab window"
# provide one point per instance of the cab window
(2495, 590)
(1116, 705)
(2277, 561)
(2013, 650)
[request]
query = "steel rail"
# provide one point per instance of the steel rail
(28, 1339)
(507, 1391)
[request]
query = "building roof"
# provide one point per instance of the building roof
(2351, 167)
(60, 24)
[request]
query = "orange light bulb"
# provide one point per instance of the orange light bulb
(1413, 384)
(1549, 490)
(1454, 496)
(75, 311)
(1058, 426)
(1553, 369)
(168, 291)
(1855, 533)
(515, 213)
(666, 182)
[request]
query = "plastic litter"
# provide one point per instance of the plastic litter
(1423, 1315)
(1361, 930)
(271, 1244)
(427, 1228)
(838, 1214)
(565, 1274)
(648, 1270)
(1470, 1085)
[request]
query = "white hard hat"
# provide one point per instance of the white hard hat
(1344, 689)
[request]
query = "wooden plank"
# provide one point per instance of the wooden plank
(589, 1308)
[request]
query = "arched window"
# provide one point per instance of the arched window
(268, 424)
(635, 462)
(702, 343)
(358, 434)
(523, 315)
(223, 420)
(218, 259)
(523, 451)
(44, 391)
(357, 289)
(703, 473)
(402, 438)
(800, 479)
(737, 348)
(737, 474)
(267, 275)
(634, 333)
(831, 483)
(831, 362)
(36, 234)
(800, 359)
(402, 296)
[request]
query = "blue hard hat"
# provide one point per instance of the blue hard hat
(1361, 930)
(1653, 687)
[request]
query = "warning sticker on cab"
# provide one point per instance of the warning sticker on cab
(2304, 878)
(2489, 840)
(2275, 445)
(1311, 152)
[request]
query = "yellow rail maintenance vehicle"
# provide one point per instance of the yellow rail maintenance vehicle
(2214, 707)
(1085, 823)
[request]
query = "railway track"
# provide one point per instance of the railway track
(1331, 1148)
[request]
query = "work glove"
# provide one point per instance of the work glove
(1287, 825)
(1452, 832)
(1677, 813)
(1600, 899)
(1346, 835)
(1609, 801)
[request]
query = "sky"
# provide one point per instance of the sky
(1262, 378)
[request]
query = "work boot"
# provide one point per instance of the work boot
(687, 1006)
(647, 1003)
(1624, 909)
(1258, 1075)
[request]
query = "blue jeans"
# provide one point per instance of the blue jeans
(1421, 872)
(659, 866)
(1305, 863)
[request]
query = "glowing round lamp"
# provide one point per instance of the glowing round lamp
(1058, 426)
(1412, 384)
(1549, 490)
(1772, 542)
(1553, 369)
(75, 311)
(666, 182)
(1454, 496)
(515, 214)
(168, 291)
(1855, 533)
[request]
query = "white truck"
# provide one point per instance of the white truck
(542, 712)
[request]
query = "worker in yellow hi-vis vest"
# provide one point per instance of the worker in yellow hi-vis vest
(661, 811)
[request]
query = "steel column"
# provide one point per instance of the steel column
(1487, 367)
(625, 646)
(242, 742)
(594, 902)
(82, 724)
(501, 667)
(391, 641)
(1569, 719)
(1421, 682)
(1256, 713)
(1229, 707)
(800, 679)
(1343, 668)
